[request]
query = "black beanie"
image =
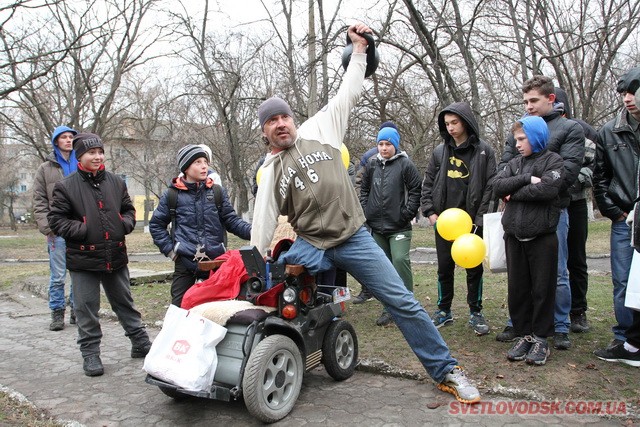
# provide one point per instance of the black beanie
(388, 124)
(84, 142)
(188, 154)
(630, 82)
(561, 96)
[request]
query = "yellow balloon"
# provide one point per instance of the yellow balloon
(259, 175)
(468, 250)
(452, 223)
(344, 151)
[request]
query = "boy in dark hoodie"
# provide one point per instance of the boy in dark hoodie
(62, 162)
(529, 185)
(459, 175)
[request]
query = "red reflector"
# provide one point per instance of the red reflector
(305, 295)
(289, 312)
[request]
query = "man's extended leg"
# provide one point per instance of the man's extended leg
(368, 264)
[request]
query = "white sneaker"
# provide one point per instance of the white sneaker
(457, 383)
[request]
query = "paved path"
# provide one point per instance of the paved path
(46, 367)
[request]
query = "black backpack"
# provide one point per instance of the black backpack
(172, 199)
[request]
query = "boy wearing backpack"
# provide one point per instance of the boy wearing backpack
(199, 212)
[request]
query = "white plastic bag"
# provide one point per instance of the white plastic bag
(632, 296)
(495, 259)
(184, 352)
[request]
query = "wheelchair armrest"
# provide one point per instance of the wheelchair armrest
(294, 270)
(210, 264)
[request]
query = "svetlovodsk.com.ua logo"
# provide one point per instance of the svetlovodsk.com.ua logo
(527, 407)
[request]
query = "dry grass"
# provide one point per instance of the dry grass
(572, 374)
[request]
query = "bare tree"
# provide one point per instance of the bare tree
(108, 42)
(25, 54)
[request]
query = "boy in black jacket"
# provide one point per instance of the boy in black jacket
(93, 212)
(529, 185)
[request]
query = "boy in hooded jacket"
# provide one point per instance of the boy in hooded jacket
(459, 175)
(199, 225)
(62, 162)
(390, 198)
(530, 186)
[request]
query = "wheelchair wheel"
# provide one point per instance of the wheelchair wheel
(340, 350)
(273, 378)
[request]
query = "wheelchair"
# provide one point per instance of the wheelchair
(264, 356)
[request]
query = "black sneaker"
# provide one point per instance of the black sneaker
(384, 319)
(441, 318)
(579, 322)
(520, 349)
(614, 342)
(92, 366)
(363, 297)
(561, 341)
(139, 351)
(539, 352)
(619, 354)
(507, 335)
(479, 324)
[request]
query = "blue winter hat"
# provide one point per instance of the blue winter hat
(537, 132)
(391, 135)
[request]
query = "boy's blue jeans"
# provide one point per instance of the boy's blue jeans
(361, 256)
(563, 288)
(58, 267)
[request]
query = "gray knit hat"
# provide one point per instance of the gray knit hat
(188, 154)
(272, 107)
(84, 142)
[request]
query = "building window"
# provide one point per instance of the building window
(23, 188)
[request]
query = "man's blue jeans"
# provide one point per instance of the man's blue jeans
(58, 267)
(563, 288)
(621, 255)
(366, 262)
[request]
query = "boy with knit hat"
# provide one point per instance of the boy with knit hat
(199, 224)
(390, 198)
(458, 175)
(93, 212)
(530, 185)
(364, 294)
(62, 162)
(304, 178)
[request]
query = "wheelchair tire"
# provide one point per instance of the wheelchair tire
(273, 378)
(340, 350)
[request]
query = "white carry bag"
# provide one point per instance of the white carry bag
(184, 352)
(632, 296)
(495, 259)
